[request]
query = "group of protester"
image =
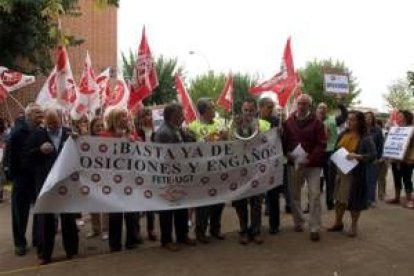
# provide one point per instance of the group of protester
(36, 141)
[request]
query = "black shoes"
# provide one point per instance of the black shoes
(273, 231)
(20, 251)
(314, 236)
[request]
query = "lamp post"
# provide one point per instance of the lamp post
(203, 56)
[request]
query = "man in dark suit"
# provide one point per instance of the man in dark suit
(43, 148)
(170, 132)
(22, 176)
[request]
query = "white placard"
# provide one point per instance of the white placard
(340, 160)
(397, 142)
(95, 174)
(336, 83)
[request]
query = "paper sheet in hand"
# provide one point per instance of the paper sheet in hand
(1, 154)
(345, 165)
(299, 155)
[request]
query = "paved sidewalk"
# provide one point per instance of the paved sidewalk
(385, 246)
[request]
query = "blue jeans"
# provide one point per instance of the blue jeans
(372, 178)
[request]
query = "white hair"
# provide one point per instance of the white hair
(305, 97)
(30, 108)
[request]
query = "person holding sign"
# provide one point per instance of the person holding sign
(117, 125)
(145, 129)
(402, 171)
(171, 132)
(351, 189)
(208, 128)
(252, 232)
(43, 148)
(331, 123)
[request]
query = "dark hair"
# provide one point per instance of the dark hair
(362, 125)
(373, 117)
(408, 117)
(251, 101)
(171, 110)
(380, 123)
(264, 100)
(93, 123)
(203, 104)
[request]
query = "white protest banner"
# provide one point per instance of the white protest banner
(114, 175)
(336, 83)
(397, 142)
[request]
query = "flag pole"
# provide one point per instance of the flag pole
(8, 111)
(16, 101)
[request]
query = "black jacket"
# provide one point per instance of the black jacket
(168, 134)
(15, 154)
(39, 162)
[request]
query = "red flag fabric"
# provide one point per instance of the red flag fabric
(118, 97)
(87, 99)
(283, 82)
(59, 87)
(144, 79)
(292, 105)
(225, 99)
(3, 94)
(189, 111)
(104, 87)
(11, 80)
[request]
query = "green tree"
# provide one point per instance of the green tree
(399, 95)
(312, 79)
(166, 69)
(207, 85)
(211, 84)
(28, 31)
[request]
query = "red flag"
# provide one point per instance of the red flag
(3, 94)
(104, 87)
(292, 105)
(189, 111)
(87, 100)
(283, 82)
(118, 97)
(226, 97)
(59, 86)
(11, 80)
(144, 79)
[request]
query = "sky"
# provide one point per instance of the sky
(373, 38)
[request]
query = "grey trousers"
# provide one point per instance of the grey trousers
(311, 176)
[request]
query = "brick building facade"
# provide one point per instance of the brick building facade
(98, 27)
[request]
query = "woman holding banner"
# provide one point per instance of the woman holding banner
(99, 221)
(402, 171)
(351, 189)
(145, 130)
(117, 125)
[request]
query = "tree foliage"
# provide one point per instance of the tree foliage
(207, 85)
(211, 84)
(399, 96)
(166, 69)
(312, 79)
(29, 31)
